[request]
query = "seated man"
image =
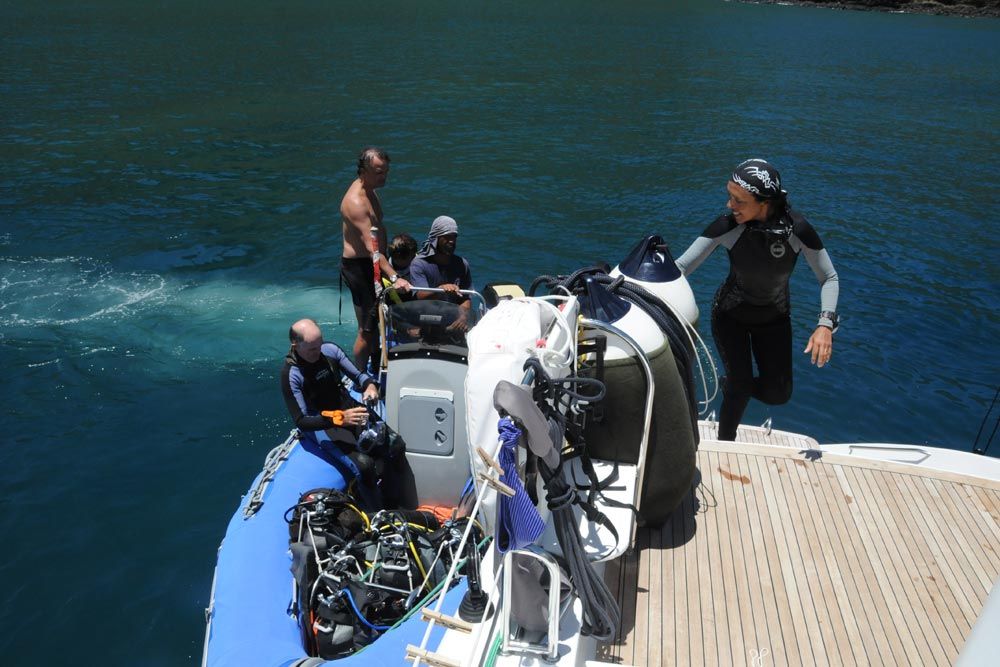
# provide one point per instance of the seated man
(437, 265)
(312, 382)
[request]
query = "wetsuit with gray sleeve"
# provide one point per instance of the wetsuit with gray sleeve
(761, 259)
(751, 310)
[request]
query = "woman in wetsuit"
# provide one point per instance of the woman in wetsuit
(751, 310)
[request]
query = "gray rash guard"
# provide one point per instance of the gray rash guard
(761, 259)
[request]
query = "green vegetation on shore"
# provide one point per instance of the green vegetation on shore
(950, 7)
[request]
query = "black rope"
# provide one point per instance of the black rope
(601, 614)
(975, 445)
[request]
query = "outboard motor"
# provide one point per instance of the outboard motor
(615, 433)
(650, 265)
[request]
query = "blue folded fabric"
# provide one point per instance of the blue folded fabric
(518, 521)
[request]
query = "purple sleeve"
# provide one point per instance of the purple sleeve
(347, 366)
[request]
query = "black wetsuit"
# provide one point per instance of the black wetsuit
(751, 310)
(311, 388)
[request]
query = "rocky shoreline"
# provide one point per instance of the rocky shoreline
(968, 8)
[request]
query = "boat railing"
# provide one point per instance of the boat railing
(550, 647)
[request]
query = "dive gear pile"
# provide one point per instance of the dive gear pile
(356, 575)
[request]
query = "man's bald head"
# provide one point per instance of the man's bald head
(304, 330)
(307, 339)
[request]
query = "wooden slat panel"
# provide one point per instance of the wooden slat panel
(707, 655)
(720, 569)
(957, 589)
(915, 567)
(837, 561)
(803, 501)
(921, 525)
(848, 573)
(724, 522)
(764, 628)
(966, 537)
(745, 564)
(902, 567)
(657, 616)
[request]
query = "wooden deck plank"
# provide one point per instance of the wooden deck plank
(903, 565)
(801, 598)
(735, 477)
(767, 587)
(800, 486)
(968, 536)
(654, 650)
(709, 655)
(980, 502)
(944, 642)
(988, 502)
(720, 568)
(944, 603)
(837, 561)
(957, 589)
(847, 570)
(779, 560)
(724, 522)
(900, 640)
(954, 544)
(643, 619)
(671, 537)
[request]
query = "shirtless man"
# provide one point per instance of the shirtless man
(360, 211)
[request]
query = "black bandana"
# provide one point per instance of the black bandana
(758, 177)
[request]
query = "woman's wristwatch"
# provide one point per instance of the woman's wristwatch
(832, 316)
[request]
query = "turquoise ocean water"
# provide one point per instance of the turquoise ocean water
(170, 174)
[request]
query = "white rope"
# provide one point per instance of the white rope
(688, 330)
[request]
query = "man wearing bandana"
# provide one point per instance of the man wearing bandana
(751, 319)
(437, 265)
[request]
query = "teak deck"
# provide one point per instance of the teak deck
(776, 559)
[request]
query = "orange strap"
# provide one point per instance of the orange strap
(441, 512)
(337, 416)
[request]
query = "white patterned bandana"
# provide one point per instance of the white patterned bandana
(758, 177)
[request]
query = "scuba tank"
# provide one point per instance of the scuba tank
(651, 266)
(615, 433)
